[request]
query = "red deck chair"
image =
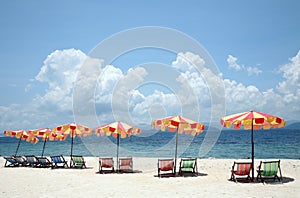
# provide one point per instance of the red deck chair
(105, 164)
(241, 169)
(125, 164)
(165, 165)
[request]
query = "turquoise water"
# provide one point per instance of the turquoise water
(277, 143)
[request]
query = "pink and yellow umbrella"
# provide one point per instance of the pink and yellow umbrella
(72, 130)
(117, 130)
(46, 134)
(21, 135)
(179, 125)
(255, 121)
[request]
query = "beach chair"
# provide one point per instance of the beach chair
(125, 164)
(269, 169)
(58, 162)
(241, 169)
(188, 165)
(43, 162)
(77, 161)
(21, 160)
(10, 161)
(32, 161)
(106, 164)
(165, 165)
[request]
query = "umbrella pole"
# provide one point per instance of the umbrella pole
(118, 143)
(176, 150)
(252, 143)
(44, 146)
(71, 149)
(18, 146)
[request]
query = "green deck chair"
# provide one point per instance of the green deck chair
(77, 161)
(188, 165)
(269, 169)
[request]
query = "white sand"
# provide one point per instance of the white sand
(212, 182)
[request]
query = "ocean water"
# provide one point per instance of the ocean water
(236, 144)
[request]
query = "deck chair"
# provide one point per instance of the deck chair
(125, 164)
(10, 161)
(77, 161)
(240, 169)
(58, 162)
(269, 169)
(188, 165)
(106, 164)
(21, 160)
(165, 165)
(32, 161)
(43, 162)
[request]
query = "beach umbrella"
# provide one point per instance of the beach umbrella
(117, 130)
(46, 134)
(255, 121)
(21, 135)
(179, 125)
(72, 130)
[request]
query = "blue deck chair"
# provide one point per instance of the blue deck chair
(43, 162)
(21, 160)
(32, 161)
(58, 162)
(10, 161)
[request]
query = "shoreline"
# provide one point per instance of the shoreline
(212, 181)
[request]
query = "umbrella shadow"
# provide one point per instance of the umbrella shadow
(270, 181)
(275, 182)
(128, 171)
(118, 172)
(185, 174)
(167, 175)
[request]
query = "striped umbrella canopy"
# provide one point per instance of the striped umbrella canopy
(21, 135)
(255, 121)
(180, 125)
(117, 130)
(72, 130)
(46, 134)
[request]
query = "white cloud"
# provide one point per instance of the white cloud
(253, 71)
(232, 63)
(117, 92)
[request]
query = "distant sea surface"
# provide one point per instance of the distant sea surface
(236, 144)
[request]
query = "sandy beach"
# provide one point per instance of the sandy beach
(212, 181)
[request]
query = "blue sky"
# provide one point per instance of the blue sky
(255, 46)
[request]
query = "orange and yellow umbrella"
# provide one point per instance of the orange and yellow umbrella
(21, 135)
(46, 134)
(180, 125)
(72, 130)
(117, 130)
(255, 121)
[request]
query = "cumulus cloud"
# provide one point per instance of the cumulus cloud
(114, 94)
(233, 64)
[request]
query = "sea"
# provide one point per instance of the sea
(235, 144)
